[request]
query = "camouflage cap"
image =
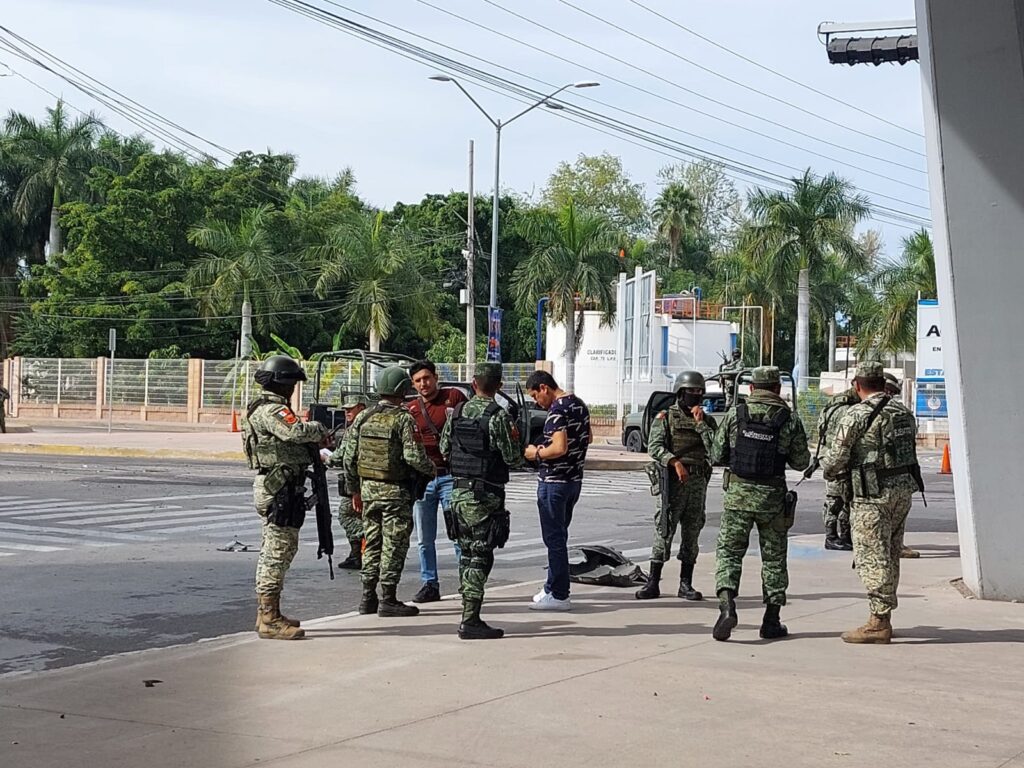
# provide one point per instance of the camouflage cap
(766, 374)
(353, 400)
(870, 369)
(488, 370)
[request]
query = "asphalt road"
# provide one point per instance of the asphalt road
(103, 556)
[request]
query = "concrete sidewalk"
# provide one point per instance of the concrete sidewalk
(200, 446)
(616, 682)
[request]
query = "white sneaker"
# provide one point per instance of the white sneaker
(540, 595)
(551, 603)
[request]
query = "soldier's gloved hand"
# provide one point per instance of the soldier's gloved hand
(680, 469)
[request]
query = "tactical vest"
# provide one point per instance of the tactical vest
(260, 454)
(684, 441)
(472, 456)
(380, 448)
(756, 455)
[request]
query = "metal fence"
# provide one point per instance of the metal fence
(148, 382)
(52, 381)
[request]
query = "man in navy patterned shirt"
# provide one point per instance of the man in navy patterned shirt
(567, 435)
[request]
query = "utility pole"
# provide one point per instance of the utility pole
(470, 267)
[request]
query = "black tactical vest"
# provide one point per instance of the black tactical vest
(472, 456)
(756, 454)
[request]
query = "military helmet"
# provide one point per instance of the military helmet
(284, 370)
(688, 380)
(736, 353)
(394, 381)
(891, 382)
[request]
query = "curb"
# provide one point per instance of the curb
(99, 451)
(612, 465)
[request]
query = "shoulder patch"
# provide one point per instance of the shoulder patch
(285, 414)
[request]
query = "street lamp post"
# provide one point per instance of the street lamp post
(498, 125)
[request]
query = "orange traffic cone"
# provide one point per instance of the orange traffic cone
(946, 468)
(234, 421)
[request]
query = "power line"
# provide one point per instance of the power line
(775, 72)
(693, 92)
(738, 83)
(420, 55)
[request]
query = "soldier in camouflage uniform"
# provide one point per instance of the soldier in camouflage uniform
(877, 445)
(383, 466)
(836, 512)
(733, 366)
(481, 444)
(279, 447)
(351, 522)
(757, 439)
(679, 444)
(894, 390)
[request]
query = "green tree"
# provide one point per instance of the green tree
(379, 267)
(719, 213)
(572, 260)
(796, 231)
(240, 263)
(675, 213)
(599, 185)
(59, 153)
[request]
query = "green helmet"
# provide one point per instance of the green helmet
(688, 380)
(394, 381)
(891, 382)
(280, 369)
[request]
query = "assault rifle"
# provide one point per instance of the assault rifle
(321, 500)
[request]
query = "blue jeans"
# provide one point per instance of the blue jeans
(424, 514)
(555, 502)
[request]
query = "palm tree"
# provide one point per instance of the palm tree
(797, 231)
(675, 212)
(890, 314)
(59, 154)
(380, 266)
(573, 259)
(239, 262)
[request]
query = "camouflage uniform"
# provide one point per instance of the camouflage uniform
(675, 434)
(880, 503)
(282, 447)
(836, 512)
(474, 509)
(351, 522)
(387, 506)
(748, 503)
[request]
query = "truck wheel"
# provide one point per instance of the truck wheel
(634, 443)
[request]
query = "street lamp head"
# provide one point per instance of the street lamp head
(553, 105)
(586, 84)
(441, 78)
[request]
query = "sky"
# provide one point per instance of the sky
(250, 74)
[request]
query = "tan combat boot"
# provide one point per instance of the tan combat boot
(877, 630)
(271, 625)
(285, 619)
(907, 552)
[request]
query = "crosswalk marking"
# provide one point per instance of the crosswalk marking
(86, 513)
(194, 516)
(31, 547)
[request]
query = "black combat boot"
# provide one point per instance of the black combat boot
(369, 603)
(771, 627)
(686, 590)
(845, 537)
(430, 592)
(473, 627)
(727, 618)
(832, 540)
(354, 561)
(650, 591)
(391, 606)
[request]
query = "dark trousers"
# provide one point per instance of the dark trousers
(555, 502)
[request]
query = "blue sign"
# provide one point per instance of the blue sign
(930, 401)
(493, 335)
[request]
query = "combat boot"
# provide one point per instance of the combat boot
(771, 627)
(391, 606)
(354, 561)
(832, 539)
(473, 627)
(650, 590)
(277, 605)
(369, 603)
(877, 630)
(686, 590)
(907, 552)
(727, 618)
(271, 625)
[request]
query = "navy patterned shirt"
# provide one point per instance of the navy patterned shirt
(567, 414)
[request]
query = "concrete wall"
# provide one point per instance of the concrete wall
(973, 85)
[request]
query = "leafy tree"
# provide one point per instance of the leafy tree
(599, 185)
(675, 212)
(240, 262)
(573, 259)
(794, 233)
(58, 154)
(719, 211)
(379, 266)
